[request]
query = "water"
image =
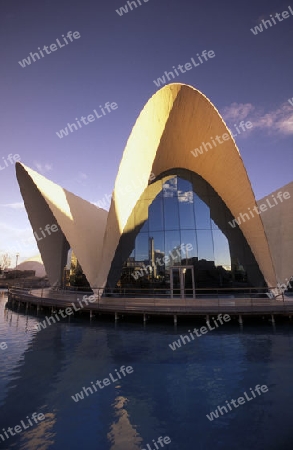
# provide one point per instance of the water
(169, 392)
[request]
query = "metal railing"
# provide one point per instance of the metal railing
(238, 300)
(200, 293)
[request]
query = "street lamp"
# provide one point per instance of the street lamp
(16, 257)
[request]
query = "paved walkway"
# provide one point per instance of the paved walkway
(161, 306)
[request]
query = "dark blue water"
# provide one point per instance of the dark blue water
(169, 392)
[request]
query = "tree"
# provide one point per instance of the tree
(5, 261)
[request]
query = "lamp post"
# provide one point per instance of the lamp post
(182, 281)
(16, 259)
(64, 278)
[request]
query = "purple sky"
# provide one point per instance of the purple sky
(116, 60)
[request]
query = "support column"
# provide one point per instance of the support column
(193, 284)
(171, 282)
(182, 282)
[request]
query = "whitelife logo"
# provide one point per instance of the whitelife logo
(53, 47)
(106, 382)
(259, 28)
(215, 414)
(86, 120)
(11, 158)
(281, 288)
(188, 66)
(19, 428)
(261, 208)
(68, 312)
(48, 230)
(226, 137)
(203, 330)
(163, 260)
(127, 189)
(166, 440)
(124, 9)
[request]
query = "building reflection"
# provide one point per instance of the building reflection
(169, 393)
(188, 224)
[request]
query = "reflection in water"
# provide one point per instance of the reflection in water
(122, 434)
(41, 436)
(169, 393)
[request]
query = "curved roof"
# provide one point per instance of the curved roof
(81, 225)
(176, 120)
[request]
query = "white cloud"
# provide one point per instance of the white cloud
(17, 205)
(237, 111)
(43, 168)
(278, 121)
(81, 177)
(185, 197)
(19, 240)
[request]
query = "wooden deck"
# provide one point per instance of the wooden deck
(153, 306)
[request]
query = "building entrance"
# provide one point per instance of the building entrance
(178, 281)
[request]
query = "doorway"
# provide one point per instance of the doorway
(178, 278)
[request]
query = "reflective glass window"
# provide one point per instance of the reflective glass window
(170, 188)
(142, 247)
(221, 250)
(183, 186)
(180, 215)
(186, 211)
(205, 245)
(172, 247)
(156, 215)
(171, 213)
(189, 237)
(202, 214)
(159, 241)
(145, 227)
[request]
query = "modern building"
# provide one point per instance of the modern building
(184, 219)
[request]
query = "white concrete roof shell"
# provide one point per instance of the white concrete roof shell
(177, 119)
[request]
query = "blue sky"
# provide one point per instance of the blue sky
(116, 60)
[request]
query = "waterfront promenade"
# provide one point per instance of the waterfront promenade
(249, 304)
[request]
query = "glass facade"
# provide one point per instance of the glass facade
(187, 225)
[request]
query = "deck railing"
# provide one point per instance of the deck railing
(220, 299)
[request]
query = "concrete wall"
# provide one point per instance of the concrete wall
(278, 225)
